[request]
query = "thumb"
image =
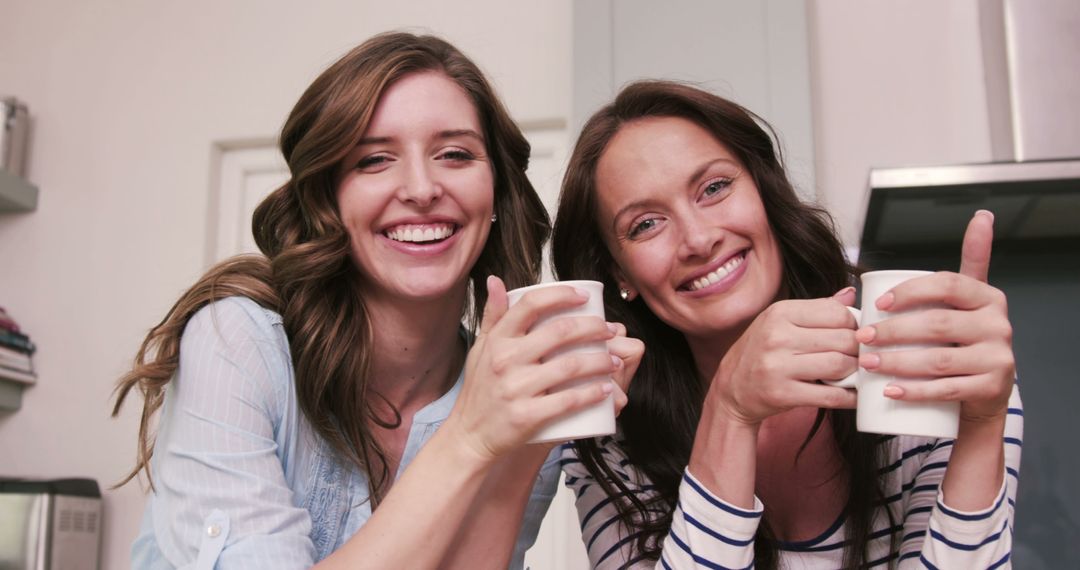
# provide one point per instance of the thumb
(496, 306)
(846, 296)
(978, 239)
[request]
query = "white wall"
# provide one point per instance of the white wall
(754, 53)
(127, 98)
(894, 84)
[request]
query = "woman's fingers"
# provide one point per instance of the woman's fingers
(795, 394)
(551, 406)
(976, 388)
(823, 366)
(937, 362)
(827, 313)
(952, 289)
(560, 333)
(842, 340)
(629, 351)
(939, 326)
(620, 400)
(978, 240)
(496, 306)
(563, 369)
(537, 304)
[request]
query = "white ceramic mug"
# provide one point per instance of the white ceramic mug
(597, 419)
(875, 413)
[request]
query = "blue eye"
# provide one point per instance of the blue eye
(642, 226)
(716, 187)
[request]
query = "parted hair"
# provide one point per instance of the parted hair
(658, 425)
(305, 272)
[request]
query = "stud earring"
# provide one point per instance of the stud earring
(494, 217)
(625, 294)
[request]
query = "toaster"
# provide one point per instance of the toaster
(50, 525)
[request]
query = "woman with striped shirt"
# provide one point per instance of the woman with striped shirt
(730, 453)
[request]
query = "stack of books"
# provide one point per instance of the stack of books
(16, 352)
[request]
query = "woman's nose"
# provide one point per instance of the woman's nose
(700, 238)
(420, 186)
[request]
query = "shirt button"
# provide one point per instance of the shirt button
(213, 531)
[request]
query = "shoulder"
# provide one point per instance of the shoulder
(234, 318)
(236, 337)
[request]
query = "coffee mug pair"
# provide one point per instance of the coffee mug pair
(875, 413)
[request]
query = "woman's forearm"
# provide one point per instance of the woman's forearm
(719, 436)
(420, 516)
(976, 466)
(493, 522)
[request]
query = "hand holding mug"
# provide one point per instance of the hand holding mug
(775, 364)
(629, 351)
(974, 362)
(510, 371)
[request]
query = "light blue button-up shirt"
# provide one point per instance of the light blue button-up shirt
(241, 479)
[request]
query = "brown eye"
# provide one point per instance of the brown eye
(372, 161)
(457, 155)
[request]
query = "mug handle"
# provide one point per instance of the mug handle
(848, 382)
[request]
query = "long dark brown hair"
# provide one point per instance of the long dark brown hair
(306, 273)
(659, 423)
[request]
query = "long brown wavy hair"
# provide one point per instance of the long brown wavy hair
(659, 423)
(305, 272)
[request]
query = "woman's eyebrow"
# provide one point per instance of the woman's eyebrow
(374, 140)
(454, 133)
(701, 170)
(447, 134)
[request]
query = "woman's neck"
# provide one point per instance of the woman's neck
(417, 351)
(709, 351)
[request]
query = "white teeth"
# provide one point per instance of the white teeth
(720, 273)
(415, 234)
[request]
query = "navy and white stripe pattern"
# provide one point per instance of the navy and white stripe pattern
(707, 532)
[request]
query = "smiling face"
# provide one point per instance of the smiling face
(686, 227)
(416, 195)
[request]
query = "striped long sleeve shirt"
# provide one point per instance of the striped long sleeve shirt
(707, 532)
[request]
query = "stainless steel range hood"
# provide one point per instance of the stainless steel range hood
(915, 211)
(1031, 54)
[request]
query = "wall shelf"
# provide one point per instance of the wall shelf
(11, 394)
(16, 194)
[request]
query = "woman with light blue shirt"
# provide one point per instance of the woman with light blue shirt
(321, 404)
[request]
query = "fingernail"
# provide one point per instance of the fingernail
(582, 293)
(893, 392)
(885, 301)
(844, 291)
(866, 335)
(613, 328)
(986, 213)
(869, 360)
(616, 361)
(607, 388)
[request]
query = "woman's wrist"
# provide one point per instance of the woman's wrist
(724, 456)
(989, 428)
(464, 446)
